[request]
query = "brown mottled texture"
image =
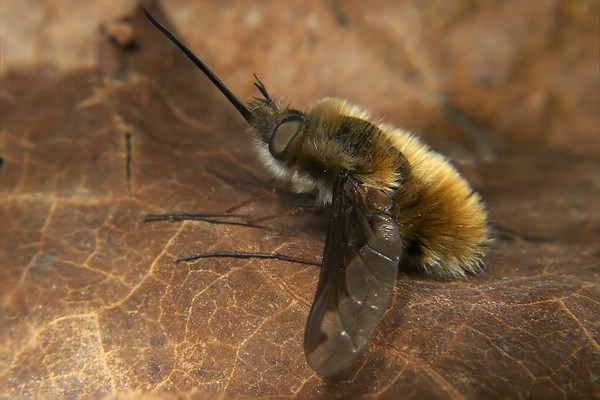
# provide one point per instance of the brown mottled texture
(92, 303)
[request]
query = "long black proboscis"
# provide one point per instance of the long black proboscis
(217, 82)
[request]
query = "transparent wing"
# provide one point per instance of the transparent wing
(359, 271)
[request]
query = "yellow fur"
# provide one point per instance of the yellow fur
(443, 222)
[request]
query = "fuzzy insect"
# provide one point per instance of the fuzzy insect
(394, 203)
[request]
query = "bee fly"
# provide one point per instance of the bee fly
(394, 203)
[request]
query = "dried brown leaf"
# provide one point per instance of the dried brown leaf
(92, 302)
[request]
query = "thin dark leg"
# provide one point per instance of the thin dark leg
(251, 200)
(227, 254)
(287, 213)
(190, 216)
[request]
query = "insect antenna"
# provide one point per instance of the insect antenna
(261, 87)
(209, 74)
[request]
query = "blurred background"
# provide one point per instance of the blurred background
(524, 72)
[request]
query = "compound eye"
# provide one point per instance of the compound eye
(287, 137)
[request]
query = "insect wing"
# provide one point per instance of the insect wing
(360, 267)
